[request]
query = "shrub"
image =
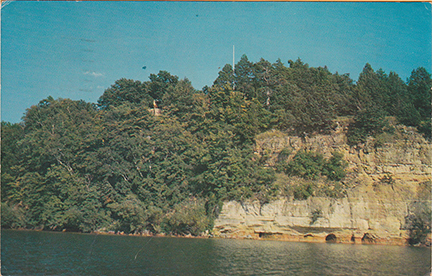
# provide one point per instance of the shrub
(334, 168)
(304, 190)
(72, 220)
(12, 217)
(308, 165)
(383, 138)
(311, 165)
(282, 158)
(316, 214)
(188, 217)
(334, 189)
(419, 222)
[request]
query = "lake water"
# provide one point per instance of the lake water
(48, 253)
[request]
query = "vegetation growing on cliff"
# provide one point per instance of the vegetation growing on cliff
(116, 166)
(418, 222)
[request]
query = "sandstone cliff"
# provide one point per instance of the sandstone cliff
(388, 180)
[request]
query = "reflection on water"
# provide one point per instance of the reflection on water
(43, 253)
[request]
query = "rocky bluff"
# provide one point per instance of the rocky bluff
(388, 180)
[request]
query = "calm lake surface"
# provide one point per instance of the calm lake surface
(48, 253)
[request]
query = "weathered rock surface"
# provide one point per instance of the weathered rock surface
(385, 183)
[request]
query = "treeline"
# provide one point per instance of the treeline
(117, 166)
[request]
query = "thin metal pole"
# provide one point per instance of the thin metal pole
(233, 58)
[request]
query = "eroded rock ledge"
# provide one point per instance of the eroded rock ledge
(371, 212)
(347, 220)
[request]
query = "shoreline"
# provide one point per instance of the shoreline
(284, 238)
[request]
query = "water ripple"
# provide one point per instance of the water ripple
(43, 253)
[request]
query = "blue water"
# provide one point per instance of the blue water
(48, 253)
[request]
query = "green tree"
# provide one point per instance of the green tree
(10, 159)
(369, 121)
(225, 77)
(160, 83)
(59, 136)
(371, 89)
(401, 104)
(419, 90)
(180, 100)
(126, 90)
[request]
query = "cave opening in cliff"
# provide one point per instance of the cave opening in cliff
(368, 238)
(331, 238)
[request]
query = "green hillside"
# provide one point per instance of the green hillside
(160, 156)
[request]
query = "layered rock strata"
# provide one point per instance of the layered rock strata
(387, 182)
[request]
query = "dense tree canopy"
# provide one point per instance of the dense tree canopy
(117, 166)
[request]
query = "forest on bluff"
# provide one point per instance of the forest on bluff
(115, 166)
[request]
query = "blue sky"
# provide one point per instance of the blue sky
(78, 49)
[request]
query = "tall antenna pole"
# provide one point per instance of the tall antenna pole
(233, 58)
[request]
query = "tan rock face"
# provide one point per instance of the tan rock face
(387, 184)
(315, 218)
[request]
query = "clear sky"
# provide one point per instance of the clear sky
(78, 49)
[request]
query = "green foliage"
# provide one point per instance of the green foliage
(138, 93)
(130, 214)
(371, 89)
(11, 156)
(334, 168)
(83, 167)
(304, 190)
(125, 90)
(311, 166)
(419, 93)
(377, 95)
(369, 121)
(419, 222)
(309, 98)
(387, 136)
(334, 189)
(188, 217)
(12, 216)
(316, 214)
(306, 164)
(284, 154)
(419, 89)
(180, 100)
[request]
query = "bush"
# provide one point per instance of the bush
(419, 222)
(383, 138)
(316, 214)
(130, 213)
(72, 220)
(308, 165)
(425, 128)
(282, 158)
(334, 168)
(335, 189)
(304, 190)
(188, 217)
(311, 165)
(12, 217)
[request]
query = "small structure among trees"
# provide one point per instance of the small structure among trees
(156, 110)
